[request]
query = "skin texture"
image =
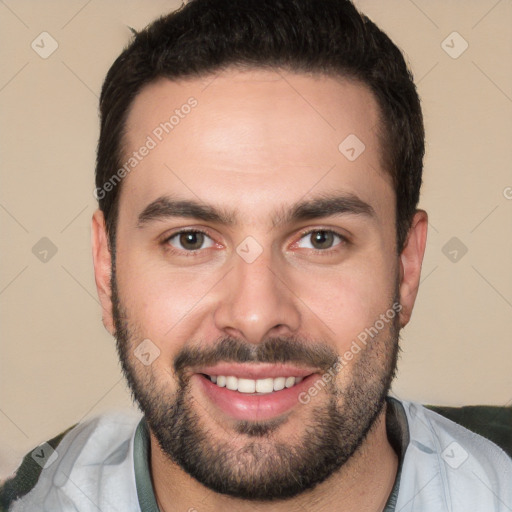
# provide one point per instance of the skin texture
(258, 142)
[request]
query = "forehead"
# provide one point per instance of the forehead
(254, 136)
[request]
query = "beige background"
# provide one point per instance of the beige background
(58, 365)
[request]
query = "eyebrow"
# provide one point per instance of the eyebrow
(166, 207)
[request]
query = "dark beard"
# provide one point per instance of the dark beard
(263, 469)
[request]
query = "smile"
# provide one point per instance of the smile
(253, 392)
(252, 386)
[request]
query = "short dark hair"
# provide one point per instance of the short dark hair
(312, 36)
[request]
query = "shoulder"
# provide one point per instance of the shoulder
(95, 450)
(452, 467)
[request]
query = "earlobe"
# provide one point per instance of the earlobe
(102, 268)
(411, 259)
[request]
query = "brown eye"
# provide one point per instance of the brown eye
(320, 239)
(190, 240)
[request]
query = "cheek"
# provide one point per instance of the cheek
(346, 302)
(164, 304)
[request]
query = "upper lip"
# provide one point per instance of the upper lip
(256, 371)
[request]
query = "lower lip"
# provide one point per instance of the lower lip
(244, 406)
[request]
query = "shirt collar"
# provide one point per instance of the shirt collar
(397, 428)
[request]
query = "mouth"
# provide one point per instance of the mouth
(254, 386)
(253, 392)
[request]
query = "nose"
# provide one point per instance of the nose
(256, 301)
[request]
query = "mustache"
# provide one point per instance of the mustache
(272, 350)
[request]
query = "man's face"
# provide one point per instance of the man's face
(288, 256)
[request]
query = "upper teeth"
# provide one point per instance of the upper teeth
(255, 386)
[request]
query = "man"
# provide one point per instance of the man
(257, 250)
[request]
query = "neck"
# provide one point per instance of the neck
(364, 483)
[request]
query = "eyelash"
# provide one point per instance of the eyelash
(170, 248)
(165, 242)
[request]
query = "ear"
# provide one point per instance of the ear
(411, 259)
(102, 268)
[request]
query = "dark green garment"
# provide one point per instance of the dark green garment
(26, 476)
(493, 423)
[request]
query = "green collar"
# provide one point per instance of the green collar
(397, 428)
(396, 425)
(141, 463)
